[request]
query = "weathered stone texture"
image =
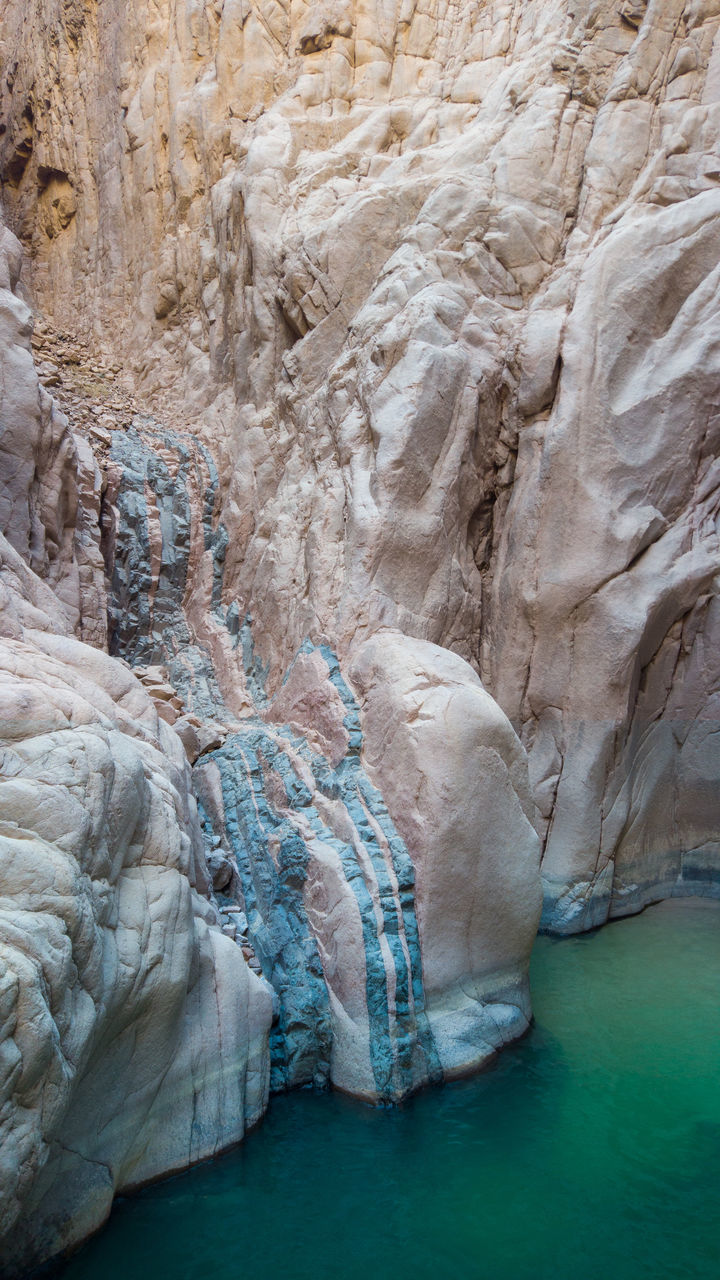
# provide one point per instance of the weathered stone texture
(435, 285)
(49, 480)
(455, 780)
(420, 304)
(134, 1038)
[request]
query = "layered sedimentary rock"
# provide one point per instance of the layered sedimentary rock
(49, 480)
(140, 902)
(314, 864)
(414, 309)
(134, 1036)
(435, 289)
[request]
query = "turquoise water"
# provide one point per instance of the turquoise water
(591, 1151)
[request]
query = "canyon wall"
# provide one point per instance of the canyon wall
(435, 287)
(317, 900)
(387, 332)
(134, 1037)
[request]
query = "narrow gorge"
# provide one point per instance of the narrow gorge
(359, 547)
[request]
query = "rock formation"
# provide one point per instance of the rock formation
(455, 777)
(422, 281)
(613, 617)
(136, 900)
(134, 1036)
(388, 336)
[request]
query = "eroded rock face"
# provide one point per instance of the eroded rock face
(382, 259)
(314, 868)
(49, 480)
(608, 658)
(455, 780)
(139, 906)
(420, 308)
(134, 1036)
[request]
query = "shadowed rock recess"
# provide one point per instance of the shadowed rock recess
(359, 501)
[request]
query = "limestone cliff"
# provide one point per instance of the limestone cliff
(136, 899)
(435, 286)
(388, 334)
(134, 1038)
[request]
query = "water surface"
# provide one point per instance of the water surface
(591, 1151)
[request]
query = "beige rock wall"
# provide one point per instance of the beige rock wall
(436, 285)
(425, 277)
(49, 480)
(439, 290)
(605, 626)
(133, 1037)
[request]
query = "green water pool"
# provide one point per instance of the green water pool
(590, 1151)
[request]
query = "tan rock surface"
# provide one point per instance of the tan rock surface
(134, 1030)
(433, 288)
(134, 1036)
(346, 243)
(455, 781)
(49, 480)
(605, 624)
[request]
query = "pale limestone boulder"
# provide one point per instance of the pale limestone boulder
(134, 1037)
(454, 778)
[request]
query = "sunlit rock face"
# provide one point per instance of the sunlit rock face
(435, 288)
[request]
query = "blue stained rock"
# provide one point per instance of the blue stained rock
(273, 895)
(268, 817)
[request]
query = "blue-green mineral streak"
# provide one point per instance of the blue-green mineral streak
(149, 627)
